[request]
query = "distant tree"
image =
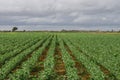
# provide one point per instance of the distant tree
(112, 30)
(24, 30)
(119, 31)
(63, 30)
(14, 29)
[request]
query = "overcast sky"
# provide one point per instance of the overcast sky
(60, 12)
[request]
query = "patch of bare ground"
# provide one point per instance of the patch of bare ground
(109, 75)
(18, 66)
(59, 67)
(82, 72)
(39, 66)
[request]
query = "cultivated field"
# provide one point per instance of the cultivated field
(59, 56)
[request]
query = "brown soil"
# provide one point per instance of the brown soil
(109, 75)
(39, 66)
(27, 57)
(59, 64)
(18, 66)
(59, 67)
(82, 72)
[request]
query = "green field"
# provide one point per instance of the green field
(59, 56)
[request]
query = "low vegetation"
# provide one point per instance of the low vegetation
(59, 56)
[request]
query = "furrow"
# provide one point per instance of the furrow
(82, 72)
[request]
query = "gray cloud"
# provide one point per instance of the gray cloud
(60, 12)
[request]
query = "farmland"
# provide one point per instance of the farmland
(59, 56)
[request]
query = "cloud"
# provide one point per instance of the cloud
(61, 12)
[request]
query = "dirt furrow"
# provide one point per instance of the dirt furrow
(27, 57)
(109, 75)
(59, 67)
(39, 66)
(82, 72)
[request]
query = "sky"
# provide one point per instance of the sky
(57, 13)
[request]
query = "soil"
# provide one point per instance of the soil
(59, 67)
(82, 72)
(109, 75)
(18, 66)
(39, 66)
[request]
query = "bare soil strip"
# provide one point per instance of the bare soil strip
(27, 57)
(82, 72)
(40, 64)
(59, 67)
(109, 75)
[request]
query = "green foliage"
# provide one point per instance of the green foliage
(89, 49)
(14, 29)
